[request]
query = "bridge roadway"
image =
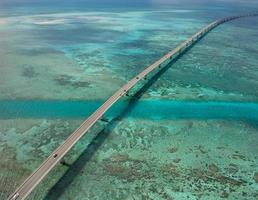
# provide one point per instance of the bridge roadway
(42, 171)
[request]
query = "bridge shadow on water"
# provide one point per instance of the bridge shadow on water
(75, 168)
(57, 190)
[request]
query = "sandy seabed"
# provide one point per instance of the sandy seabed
(87, 56)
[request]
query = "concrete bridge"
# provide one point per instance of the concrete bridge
(42, 171)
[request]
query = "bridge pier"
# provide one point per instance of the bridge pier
(105, 119)
(64, 163)
(56, 157)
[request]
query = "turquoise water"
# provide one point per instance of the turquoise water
(146, 109)
(192, 134)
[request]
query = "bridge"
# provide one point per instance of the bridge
(56, 157)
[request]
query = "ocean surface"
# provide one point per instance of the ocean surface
(192, 135)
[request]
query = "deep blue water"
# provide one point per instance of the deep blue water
(49, 6)
(147, 109)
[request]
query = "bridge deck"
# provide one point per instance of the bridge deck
(36, 177)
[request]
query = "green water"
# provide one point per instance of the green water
(193, 133)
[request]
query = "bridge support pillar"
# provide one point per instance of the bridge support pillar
(104, 119)
(64, 163)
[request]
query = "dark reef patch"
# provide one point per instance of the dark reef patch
(256, 177)
(29, 71)
(65, 80)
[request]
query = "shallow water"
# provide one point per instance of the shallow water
(192, 135)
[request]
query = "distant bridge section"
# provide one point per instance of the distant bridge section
(36, 177)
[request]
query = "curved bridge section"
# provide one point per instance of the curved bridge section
(36, 177)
